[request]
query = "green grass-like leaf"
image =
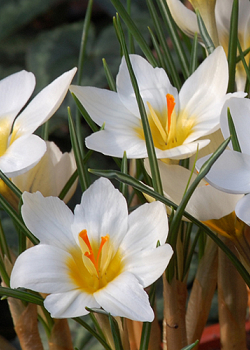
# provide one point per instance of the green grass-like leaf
(232, 45)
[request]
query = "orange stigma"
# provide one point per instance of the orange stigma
(170, 105)
(90, 254)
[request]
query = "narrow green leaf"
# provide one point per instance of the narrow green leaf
(3, 273)
(193, 59)
(11, 185)
(45, 131)
(246, 67)
(82, 172)
(134, 31)
(233, 134)
(175, 37)
(146, 128)
(115, 333)
(232, 46)
(93, 332)
(22, 295)
(84, 39)
(85, 114)
(131, 45)
(187, 262)
(204, 34)
(109, 77)
(242, 54)
(4, 248)
(124, 169)
(189, 347)
(68, 185)
(164, 53)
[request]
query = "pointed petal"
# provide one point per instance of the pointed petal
(110, 214)
(202, 94)
(49, 219)
(153, 83)
(148, 224)
(22, 155)
(242, 209)
(15, 90)
(44, 105)
(184, 18)
(230, 173)
(125, 297)
(69, 304)
(104, 106)
(149, 265)
(43, 269)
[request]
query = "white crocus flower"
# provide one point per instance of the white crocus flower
(20, 150)
(186, 20)
(50, 174)
(230, 173)
(176, 120)
(97, 257)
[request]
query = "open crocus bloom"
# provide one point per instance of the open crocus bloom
(176, 120)
(230, 173)
(97, 257)
(20, 150)
(186, 20)
(50, 174)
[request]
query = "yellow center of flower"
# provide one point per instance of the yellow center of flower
(168, 129)
(5, 128)
(94, 264)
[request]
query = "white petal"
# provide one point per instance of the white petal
(242, 209)
(148, 224)
(103, 210)
(105, 106)
(49, 219)
(149, 265)
(44, 105)
(206, 87)
(69, 304)
(115, 143)
(184, 18)
(153, 84)
(22, 155)
(15, 90)
(240, 111)
(230, 173)
(125, 297)
(43, 269)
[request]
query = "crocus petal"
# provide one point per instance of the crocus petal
(125, 297)
(145, 235)
(49, 219)
(230, 173)
(51, 278)
(205, 88)
(153, 84)
(15, 90)
(69, 304)
(109, 216)
(44, 105)
(240, 111)
(22, 155)
(149, 265)
(180, 12)
(242, 209)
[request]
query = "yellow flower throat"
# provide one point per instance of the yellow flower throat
(168, 129)
(94, 264)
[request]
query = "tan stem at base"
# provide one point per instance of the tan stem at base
(174, 327)
(232, 301)
(202, 292)
(60, 338)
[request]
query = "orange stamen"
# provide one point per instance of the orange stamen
(170, 105)
(90, 254)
